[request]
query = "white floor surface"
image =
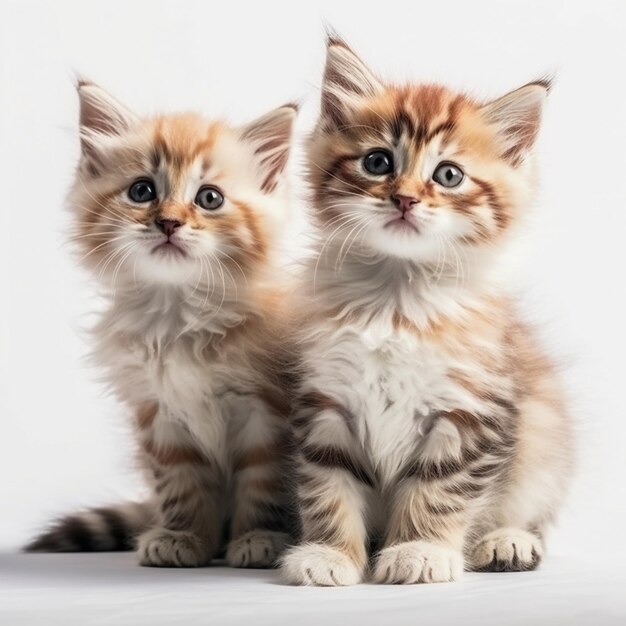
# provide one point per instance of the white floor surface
(103, 589)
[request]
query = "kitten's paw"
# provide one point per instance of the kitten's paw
(317, 564)
(417, 562)
(507, 550)
(257, 548)
(161, 547)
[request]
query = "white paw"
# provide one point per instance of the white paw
(507, 550)
(257, 548)
(317, 564)
(417, 562)
(161, 547)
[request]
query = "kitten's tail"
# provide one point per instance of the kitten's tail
(102, 529)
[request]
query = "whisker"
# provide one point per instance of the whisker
(108, 209)
(345, 223)
(343, 182)
(119, 266)
(359, 225)
(104, 243)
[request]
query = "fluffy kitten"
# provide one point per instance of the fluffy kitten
(176, 215)
(431, 430)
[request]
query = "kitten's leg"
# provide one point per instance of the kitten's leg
(425, 536)
(333, 484)
(188, 486)
(510, 533)
(434, 503)
(259, 516)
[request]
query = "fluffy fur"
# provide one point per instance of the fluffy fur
(431, 433)
(188, 340)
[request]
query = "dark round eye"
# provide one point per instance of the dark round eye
(448, 175)
(141, 191)
(209, 198)
(378, 162)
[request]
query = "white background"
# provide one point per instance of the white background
(62, 443)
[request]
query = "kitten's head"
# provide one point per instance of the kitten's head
(410, 171)
(176, 199)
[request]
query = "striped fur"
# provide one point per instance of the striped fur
(101, 529)
(190, 338)
(430, 427)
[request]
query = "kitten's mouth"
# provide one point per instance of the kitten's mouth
(402, 223)
(168, 247)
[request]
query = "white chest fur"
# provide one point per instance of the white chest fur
(157, 349)
(396, 385)
(184, 384)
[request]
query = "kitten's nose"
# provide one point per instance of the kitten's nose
(168, 227)
(404, 203)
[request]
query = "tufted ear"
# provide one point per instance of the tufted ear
(270, 135)
(101, 117)
(517, 117)
(346, 81)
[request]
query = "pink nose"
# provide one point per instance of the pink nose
(168, 227)
(404, 203)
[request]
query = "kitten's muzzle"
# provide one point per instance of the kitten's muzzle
(404, 203)
(407, 219)
(168, 227)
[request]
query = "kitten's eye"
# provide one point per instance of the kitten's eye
(378, 162)
(448, 175)
(141, 191)
(209, 198)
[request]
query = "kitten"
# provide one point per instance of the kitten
(431, 429)
(177, 216)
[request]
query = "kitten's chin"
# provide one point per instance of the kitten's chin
(164, 267)
(169, 249)
(404, 243)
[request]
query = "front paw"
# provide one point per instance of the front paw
(318, 564)
(507, 550)
(257, 548)
(417, 562)
(161, 547)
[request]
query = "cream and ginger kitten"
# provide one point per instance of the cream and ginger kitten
(177, 216)
(431, 430)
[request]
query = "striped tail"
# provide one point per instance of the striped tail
(102, 529)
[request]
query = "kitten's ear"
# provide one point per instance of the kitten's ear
(517, 117)
(270, 136)
(101, 117)
(346, 81)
